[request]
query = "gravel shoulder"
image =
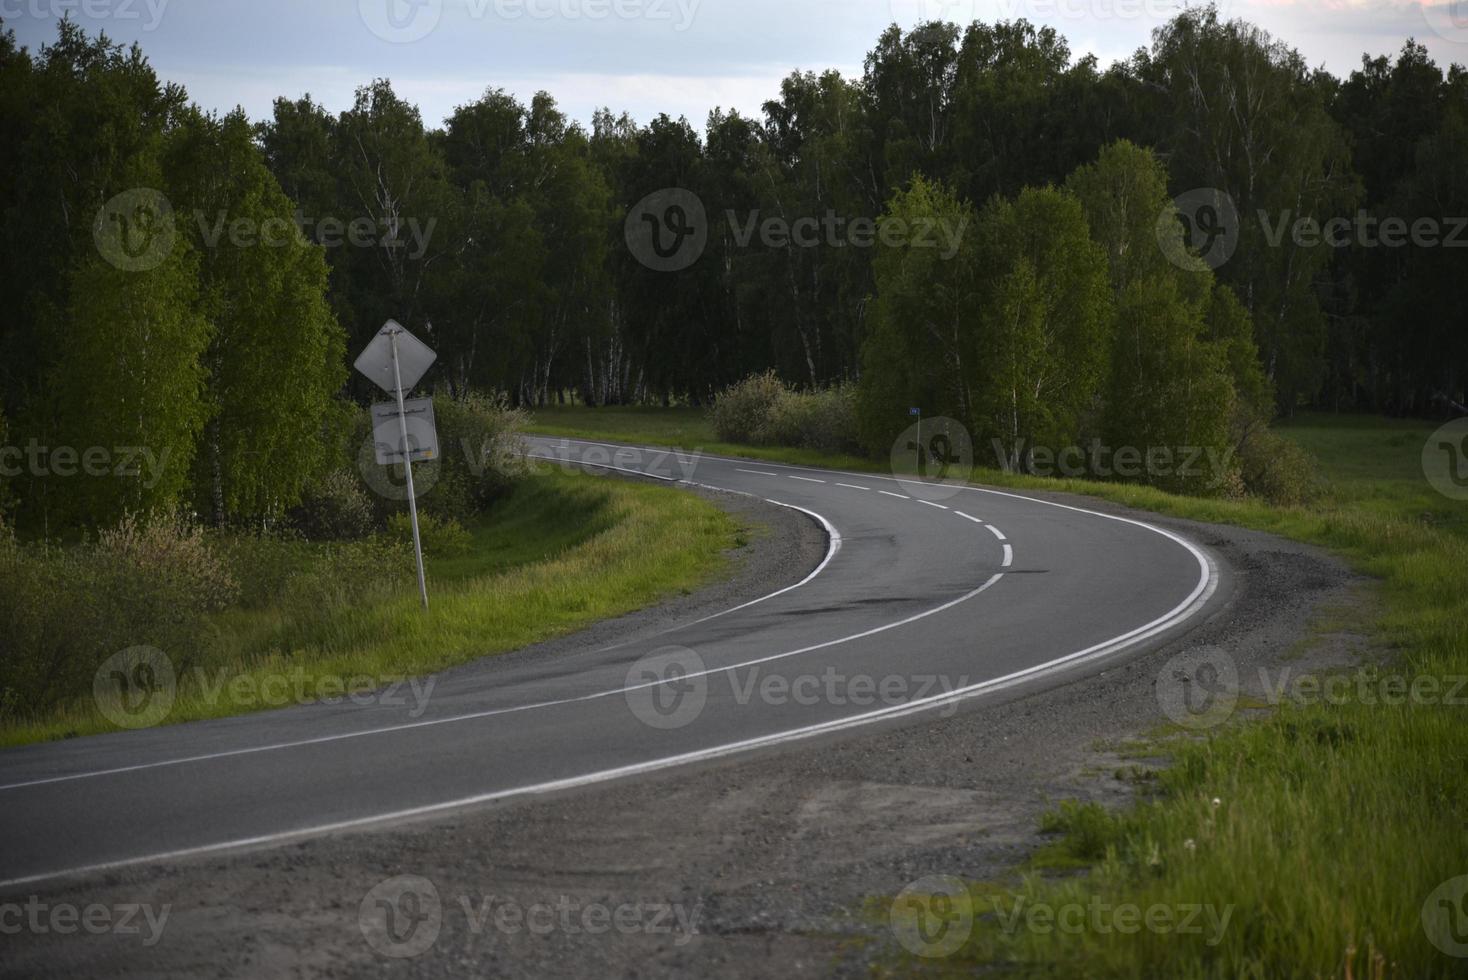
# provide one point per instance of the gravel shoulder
(763, 864)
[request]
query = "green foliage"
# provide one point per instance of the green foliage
(743, 411)
(129, 375)
(441, 537)
(335, 506)
(483, 454)
(277, 355)
(142, 582)
(1044, 322)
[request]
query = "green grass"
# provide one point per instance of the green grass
(561, 552)
(1333, 823)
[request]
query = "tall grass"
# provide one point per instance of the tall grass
(560, 552)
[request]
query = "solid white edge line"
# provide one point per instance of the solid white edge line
(1196, 600)
(609, 466)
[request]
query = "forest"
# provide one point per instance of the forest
(197, 284)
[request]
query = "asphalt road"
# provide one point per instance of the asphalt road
(928, 597)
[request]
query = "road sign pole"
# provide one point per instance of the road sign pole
(408, 469)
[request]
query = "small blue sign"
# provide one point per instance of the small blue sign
(914, 411)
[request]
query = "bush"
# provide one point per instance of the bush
(743, 411)
(442, 537)
(151, 583)
(335, 506)
(763, 410)
(824, 419)
(1277, 469)
(482, 454)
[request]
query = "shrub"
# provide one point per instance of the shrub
(335, 506)
(142, 583)
(482, 453)
(824, 419)
(743, 411)
(442, 537)
(1277, 469)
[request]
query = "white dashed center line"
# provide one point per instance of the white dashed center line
(968, 517)
(757, 472)
(899, 496)
(807, 479)
(931, 504)
(1008, 556)
(997, 533)
(852, 486)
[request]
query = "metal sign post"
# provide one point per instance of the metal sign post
(408, 469)
(385, 364)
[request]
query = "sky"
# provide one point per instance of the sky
(683, 57)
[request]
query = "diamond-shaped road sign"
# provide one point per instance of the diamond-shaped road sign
(414, 358)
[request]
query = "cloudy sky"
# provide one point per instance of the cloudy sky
(644, 56)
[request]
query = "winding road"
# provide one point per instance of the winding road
(928, 596)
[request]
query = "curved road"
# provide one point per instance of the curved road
(928, 596)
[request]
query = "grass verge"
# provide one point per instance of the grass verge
(562, 551)
(1323, 831)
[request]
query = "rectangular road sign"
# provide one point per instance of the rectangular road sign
(387, 433)
(414, 358)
